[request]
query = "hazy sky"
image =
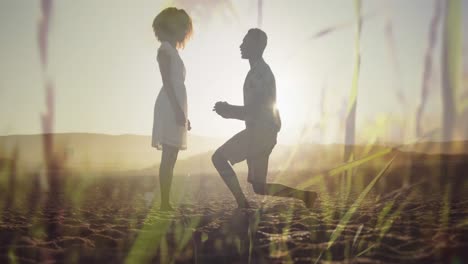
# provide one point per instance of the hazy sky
(102, 59)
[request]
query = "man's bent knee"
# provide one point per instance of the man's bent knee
(217, 157)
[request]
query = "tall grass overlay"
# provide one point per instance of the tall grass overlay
(379, 202)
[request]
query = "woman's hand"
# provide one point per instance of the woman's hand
(180, 118)
(189, 125)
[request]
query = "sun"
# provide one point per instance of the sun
(295, 105)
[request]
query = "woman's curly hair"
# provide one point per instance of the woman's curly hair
(173, 24)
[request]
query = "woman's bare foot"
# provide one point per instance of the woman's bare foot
(309, 199)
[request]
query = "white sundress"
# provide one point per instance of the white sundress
(165, 129)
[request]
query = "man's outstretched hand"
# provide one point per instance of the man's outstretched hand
(221, 108)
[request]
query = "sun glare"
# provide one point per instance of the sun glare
(295, 108)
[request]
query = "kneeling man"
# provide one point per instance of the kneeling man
(262, 121)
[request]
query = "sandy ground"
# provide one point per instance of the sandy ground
(116, 220)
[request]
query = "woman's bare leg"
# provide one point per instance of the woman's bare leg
(166, 171)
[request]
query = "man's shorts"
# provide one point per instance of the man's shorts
(253, 145)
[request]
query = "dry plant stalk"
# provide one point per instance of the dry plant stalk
(428, 65)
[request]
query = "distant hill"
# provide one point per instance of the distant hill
(100, 152)
(453, 147)
(317, 157)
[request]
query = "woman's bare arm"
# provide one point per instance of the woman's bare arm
(164, 67)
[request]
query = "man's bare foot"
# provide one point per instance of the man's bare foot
(309, 199)
(166, 208)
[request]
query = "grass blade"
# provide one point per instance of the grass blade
(428, 65)
(451, 65)
(346, 166)
(350, 129)
(345, 219)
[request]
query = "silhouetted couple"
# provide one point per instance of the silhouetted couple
(254, 144)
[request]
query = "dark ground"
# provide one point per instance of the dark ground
(111, 220)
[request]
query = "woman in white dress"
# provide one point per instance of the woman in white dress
(172, 27)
